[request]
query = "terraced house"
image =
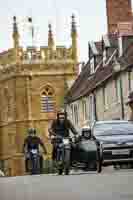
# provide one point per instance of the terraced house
(33, 83)
(102, 88)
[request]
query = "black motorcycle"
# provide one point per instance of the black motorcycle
(34, 162)
(63, 154)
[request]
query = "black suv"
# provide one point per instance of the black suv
(114, 140)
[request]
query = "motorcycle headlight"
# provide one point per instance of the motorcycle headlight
(66, 141)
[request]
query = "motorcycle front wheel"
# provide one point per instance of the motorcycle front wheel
(67, 161)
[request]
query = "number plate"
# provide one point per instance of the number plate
(66, 141)
(34, 151)
(121, 152)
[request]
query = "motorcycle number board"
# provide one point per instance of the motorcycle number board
(34, 151)
(121, 152)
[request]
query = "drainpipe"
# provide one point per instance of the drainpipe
(95, 107)
(122, 100)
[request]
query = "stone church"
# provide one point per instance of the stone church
(33, 83)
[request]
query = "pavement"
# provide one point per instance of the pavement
(109, 185)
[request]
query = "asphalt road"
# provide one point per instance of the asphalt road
(110, 185)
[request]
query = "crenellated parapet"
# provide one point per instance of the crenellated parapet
(14, 58)
(36, 55)
(44, 54)
(35, 61)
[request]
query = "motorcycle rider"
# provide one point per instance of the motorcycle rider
(32, 142)
(86, 133)
(61, 126)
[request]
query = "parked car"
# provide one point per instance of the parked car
(114, 140)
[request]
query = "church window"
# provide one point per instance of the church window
(47, 100)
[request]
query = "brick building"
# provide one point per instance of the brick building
(118, 11)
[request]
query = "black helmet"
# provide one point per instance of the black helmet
(32, 131)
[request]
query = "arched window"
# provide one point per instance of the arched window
(47, 100)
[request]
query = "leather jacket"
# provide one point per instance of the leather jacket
(62, 129)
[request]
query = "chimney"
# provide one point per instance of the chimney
(118, 11)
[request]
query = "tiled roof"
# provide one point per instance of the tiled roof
(89, 84)
(85, 83)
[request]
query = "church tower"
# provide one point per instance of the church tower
(118, 11)
(33, 85)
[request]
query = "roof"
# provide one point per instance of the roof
(86, 83)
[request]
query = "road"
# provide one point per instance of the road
(116, 185)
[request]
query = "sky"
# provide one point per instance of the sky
(90, 17)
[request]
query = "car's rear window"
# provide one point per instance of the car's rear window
(113, 129)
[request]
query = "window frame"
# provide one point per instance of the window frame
(91, 108)
(130, 80)
(117, 89)
(47, 100)
(105, 97)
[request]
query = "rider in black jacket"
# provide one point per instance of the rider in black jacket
(32, 142)
(61, 126)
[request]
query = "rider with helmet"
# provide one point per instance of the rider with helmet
(86, 132)
(32, 141)
(61, 126)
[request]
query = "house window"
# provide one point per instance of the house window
(105, 97)
(72, 113)
(130, 80)
(91, 108)
(76, 114)
(84, 104)
(117, 89)
(92, 65)
(47, 100)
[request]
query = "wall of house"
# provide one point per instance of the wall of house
(108, 101)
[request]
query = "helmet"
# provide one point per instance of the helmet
(61, 111)
(32, 131)
(86, 132)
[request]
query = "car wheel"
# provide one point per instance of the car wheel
(99, 162)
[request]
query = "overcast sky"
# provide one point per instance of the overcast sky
(90, 16)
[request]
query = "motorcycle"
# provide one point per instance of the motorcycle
(35, 162)
(86, 156)
(63, 154)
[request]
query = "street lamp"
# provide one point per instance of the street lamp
(117, 69)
